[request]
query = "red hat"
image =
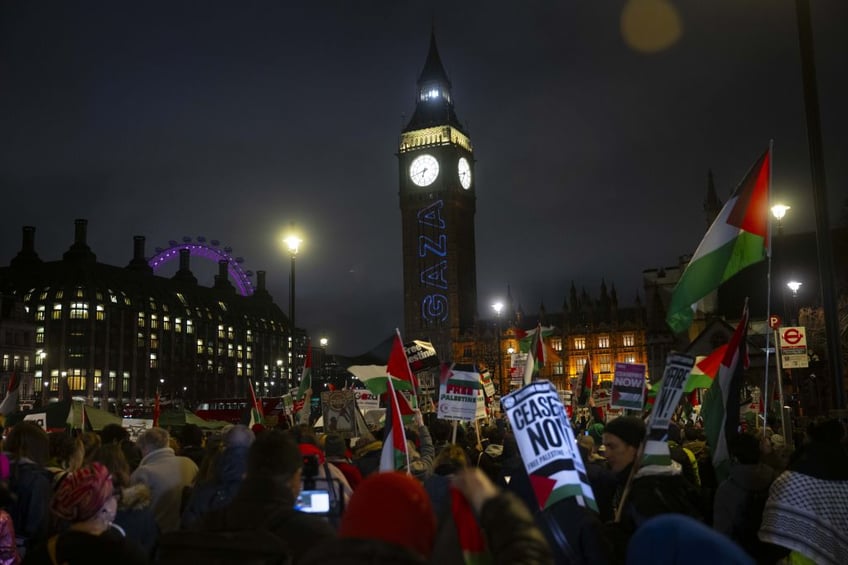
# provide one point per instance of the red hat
(83, 493)
(392, 507)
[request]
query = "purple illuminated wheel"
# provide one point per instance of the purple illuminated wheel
(212, 251)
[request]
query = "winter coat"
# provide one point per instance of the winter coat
(734, 493)
(8, 549)
(265, 502)
(167, 475)
(135, 516)
(215, 494)
(80, 548)
(421, 460)
(30, 508)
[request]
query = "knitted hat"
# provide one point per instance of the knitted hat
(334, 446)
(83, 493)
(630, 429)
(394, 508)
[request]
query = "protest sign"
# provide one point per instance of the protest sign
(338, 408)
(488, 385)
(628, 386)
(135, 426)
(458, 386)
(677, 369)
(547, 445)
(480, 409)
(39, 418)
(366, 400)
(421, 355)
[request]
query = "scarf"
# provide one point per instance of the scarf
(808, 515)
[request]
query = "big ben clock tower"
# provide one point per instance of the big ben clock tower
(437, 202)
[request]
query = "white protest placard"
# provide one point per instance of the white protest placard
(458, 393)
(628, 386)
(677, 369)
(366, 400)
(338, 408)
(547, 445)
(39, 418)
(135, 426)
(488, 385)
(480, 409)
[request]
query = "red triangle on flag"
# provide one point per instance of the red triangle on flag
(398, 365)
(543, 487)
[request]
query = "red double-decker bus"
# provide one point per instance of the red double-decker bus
(235, 410)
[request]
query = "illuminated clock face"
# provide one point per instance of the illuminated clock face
(464, 170)
(424, 170)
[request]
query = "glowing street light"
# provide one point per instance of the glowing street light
(779, 211)
(292, 242)
(323, 341)
(794, 286)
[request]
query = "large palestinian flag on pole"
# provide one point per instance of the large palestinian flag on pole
(737, 238)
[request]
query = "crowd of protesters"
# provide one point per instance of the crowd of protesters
(102, 498)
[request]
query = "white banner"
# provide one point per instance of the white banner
(39, 418)
(366, 400)
(677, 369)
(547, 444)
(458, 394)
(136, 425)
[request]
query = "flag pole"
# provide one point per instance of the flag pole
(768, 297)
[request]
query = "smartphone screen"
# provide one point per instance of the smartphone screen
(313, 501)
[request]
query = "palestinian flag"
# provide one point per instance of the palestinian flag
(720, 408)
(256, 415)
(371, 368)
(305, 376)
(398, 364)
(395, 456)
(10, 401)
(705, 370)
(737, 238)
(536, 355)
(587, 383)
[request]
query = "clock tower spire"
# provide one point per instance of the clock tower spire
(438, 203)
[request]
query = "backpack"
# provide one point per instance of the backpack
(224, 547)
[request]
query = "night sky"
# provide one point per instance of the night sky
(231, 120)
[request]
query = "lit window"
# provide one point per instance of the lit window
(630, 358)
(166, 323)
(141, 319)
(579, 364)
(60, 294)
(153, 361)
(221, 333)
(154, 321)
(580, 343)
(39, 335)
(230, 332)
(79, 311)
(603, 341)
(628, 340)
(178, 325)
(80, 292)
(556, 344)
(200, 347)
(604, 363)
(154, 341)
(101, 312)
(57, 311)
(39, 314)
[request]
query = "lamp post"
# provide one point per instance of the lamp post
(497, 307)
(292, 242)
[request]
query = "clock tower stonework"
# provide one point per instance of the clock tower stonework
(437, 202)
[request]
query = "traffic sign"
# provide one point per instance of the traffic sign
(774, 321)
(792, 336)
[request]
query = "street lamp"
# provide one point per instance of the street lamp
(779, 211)
(323, 341)
(292, 242)
(794, 286)
(498, 307)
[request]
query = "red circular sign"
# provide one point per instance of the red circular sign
(774, 321)
(792, 336)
